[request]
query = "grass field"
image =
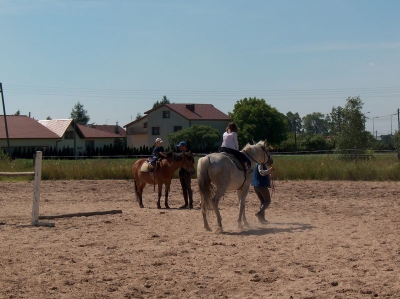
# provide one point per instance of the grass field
(378, 167)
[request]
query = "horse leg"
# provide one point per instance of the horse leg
(140, 195)
(241, 194)
(159, 196)
(166, 195)
(206, 226)
(218, 214)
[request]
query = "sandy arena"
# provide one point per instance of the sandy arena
(323, 240)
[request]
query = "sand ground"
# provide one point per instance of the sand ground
(322, 240)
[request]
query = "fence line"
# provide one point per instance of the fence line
(36, 188)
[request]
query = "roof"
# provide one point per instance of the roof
(58, 126)
(196, 111)
(24, 127)
(111, 129)
(88, 132)
(136, 120)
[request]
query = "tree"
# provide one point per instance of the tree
(337, 119)
(162, 102)
(48, 118)
(294, 126)
(79, 114)
(198, 138)
(294, 122)
(316, 123)
(352, 134)
(18, 112)
(138, 116)
(258, 121)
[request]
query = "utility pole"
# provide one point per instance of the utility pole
(398, 119)
(5, 118)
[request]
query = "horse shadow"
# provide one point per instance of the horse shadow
(260, 231)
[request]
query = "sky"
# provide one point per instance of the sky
(118, 57)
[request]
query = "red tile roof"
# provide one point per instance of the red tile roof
(24, 127)
(111, 129)
(88, 132)
(200, 111)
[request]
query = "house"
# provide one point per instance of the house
(25, 132)
(78, 136)
(169, 118)
(116, 129)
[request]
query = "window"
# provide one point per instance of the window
(177, 128)
(155, 130)
(69, 135)
(165, 114)
(145, 125)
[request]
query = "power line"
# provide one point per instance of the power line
(322, 94)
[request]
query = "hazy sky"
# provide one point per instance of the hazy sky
(118, 57)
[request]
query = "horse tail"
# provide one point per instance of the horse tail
(136, 190)
(135, 180)
(206, 189)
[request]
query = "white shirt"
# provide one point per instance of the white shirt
(230, 140)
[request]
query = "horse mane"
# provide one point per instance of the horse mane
(249, 146)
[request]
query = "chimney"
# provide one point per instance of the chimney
(190, 107)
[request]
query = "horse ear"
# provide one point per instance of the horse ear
(265, 143)
(253, 141)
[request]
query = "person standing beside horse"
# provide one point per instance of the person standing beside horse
(262, 183)
(185, 178)
(230, 145)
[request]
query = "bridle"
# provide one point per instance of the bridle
(266, 156)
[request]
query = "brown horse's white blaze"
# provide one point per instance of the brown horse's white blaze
(216, 174)
(162, 176)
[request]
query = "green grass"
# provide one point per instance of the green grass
(331, 167)
(381, 167)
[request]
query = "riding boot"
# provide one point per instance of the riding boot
(190, 199)
(185, 197)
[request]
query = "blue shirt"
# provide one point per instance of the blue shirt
(258, 179)
(157, 150)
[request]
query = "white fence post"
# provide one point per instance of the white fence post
(36, 190)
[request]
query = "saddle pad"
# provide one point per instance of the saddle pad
(145, 167)
(235, 160)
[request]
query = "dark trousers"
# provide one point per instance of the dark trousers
(263, 195)
(185, 180)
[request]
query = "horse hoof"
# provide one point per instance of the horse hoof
(218, 230)
(158, 207)
(141, 206)
(167, 207)
(240, 226)
(207, 228)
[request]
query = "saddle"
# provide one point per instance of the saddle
(147, 167)
(239, 164)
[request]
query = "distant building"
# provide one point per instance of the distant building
(170, 118)
(26, 132)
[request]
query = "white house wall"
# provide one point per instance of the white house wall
(136, 140)
(166, 125)
(28, 143)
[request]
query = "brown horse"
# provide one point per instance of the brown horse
(162, 175)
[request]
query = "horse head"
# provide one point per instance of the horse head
(258, 152)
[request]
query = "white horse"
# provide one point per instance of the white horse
(217, 173)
